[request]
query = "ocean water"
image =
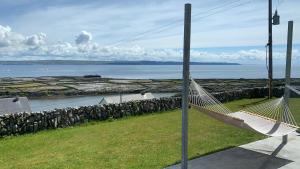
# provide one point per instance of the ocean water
(38, 105)
(146, 71)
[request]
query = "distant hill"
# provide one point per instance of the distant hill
(84, 62)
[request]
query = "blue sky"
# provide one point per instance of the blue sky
(233, 30)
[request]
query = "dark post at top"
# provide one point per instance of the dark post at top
(185, 84)
(270, 44)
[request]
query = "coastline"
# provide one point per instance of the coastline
(49, 87)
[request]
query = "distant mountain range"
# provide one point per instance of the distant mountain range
(84, 62)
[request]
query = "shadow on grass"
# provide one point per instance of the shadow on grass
(254, 103)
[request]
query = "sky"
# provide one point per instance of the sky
(230, 31)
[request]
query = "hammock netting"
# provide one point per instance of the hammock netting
(271, 118)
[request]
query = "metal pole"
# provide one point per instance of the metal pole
(289, 57)
(185, 84)
(288, 67)
(270, 73)
(121, 97)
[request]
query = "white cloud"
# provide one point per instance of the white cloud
(83, 38)
(4, 31)
(36, 40)
(245, 25)
(36, 47)
(7, 37)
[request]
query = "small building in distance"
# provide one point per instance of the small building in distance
(126, 98)
(14, 105)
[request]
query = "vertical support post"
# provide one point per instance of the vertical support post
(270, 43)
(185, 84)
(288, 68)
(121, 97)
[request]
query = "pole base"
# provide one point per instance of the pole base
(284, 139)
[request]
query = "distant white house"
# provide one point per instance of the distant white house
(126, 98)
(14, 105)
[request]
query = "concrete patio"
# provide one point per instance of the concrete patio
(269, 153)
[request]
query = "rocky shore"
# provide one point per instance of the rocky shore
(63, 86)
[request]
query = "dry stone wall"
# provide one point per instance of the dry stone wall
(21, 123)
(258, 92)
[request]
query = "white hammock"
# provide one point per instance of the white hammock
(272, 118)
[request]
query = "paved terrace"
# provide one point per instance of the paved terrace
(269, 153)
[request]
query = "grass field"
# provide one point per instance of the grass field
(150, 141)
(294, 105)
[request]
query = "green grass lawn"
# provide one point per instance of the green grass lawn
(294, 105)
(150, 141)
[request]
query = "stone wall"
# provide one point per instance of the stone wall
(259, 92)
(13, 124)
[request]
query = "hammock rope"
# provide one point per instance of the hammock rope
(294, 89)
(206, 99)
(272, 118)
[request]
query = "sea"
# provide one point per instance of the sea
(252, 71)
(38, 105)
